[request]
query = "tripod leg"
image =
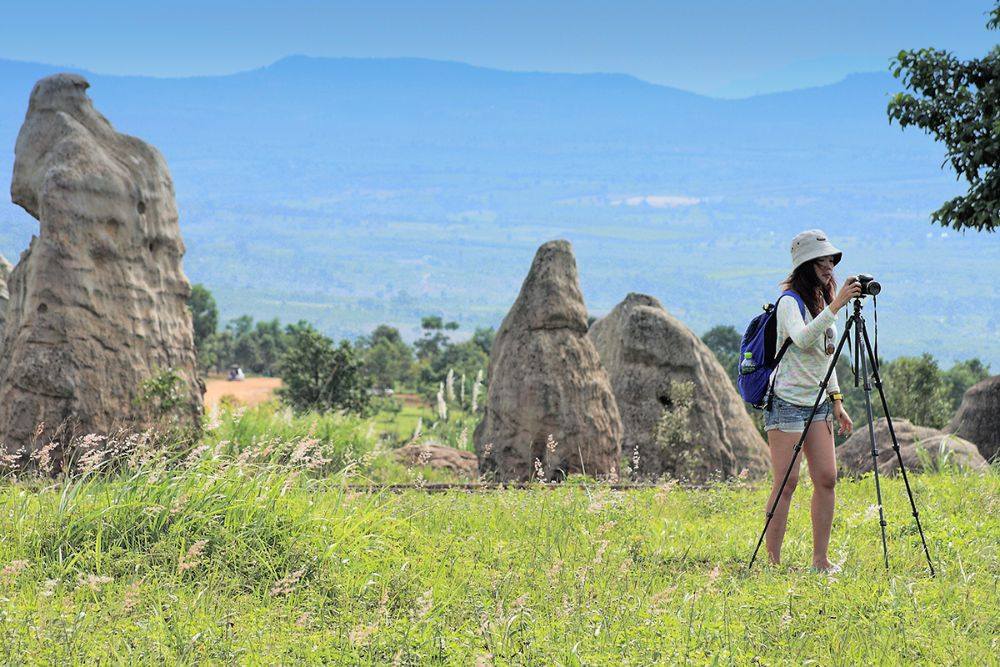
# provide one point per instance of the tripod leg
(895, 446)
(871, 436)
(802, 438)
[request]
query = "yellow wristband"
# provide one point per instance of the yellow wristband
(836, 396)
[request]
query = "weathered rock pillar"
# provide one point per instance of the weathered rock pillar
(549, 409)
(98, 302)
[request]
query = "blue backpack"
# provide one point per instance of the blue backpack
(758, 358)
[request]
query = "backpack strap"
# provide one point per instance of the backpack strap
(784, 346)
(798, 300)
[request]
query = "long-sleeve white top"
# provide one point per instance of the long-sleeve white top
(805, 362)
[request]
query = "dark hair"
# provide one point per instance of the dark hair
(804, 282)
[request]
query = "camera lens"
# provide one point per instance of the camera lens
(873, 288)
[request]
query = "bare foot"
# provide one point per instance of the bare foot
(826, 567)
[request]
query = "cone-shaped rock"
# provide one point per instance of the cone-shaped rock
(545, 379)
(978, 417)
(649, 355)
(98, 301)
(855, 455)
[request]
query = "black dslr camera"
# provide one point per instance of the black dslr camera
(869, 286)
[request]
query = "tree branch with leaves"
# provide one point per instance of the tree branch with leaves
(958, 103)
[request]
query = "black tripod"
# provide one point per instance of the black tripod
(862, 356)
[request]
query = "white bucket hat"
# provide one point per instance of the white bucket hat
(812, 244)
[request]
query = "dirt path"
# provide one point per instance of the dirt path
(251, 391)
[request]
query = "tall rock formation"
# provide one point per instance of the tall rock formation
(98, 301)
(978, 417)
(650, 356)
(549, 407)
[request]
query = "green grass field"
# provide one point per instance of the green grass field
(399, 426)
(252, 550)
(402, 424)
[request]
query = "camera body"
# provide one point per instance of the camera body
(869, 286)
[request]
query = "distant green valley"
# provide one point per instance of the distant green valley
(352, 193)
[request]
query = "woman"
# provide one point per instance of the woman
(796, 382)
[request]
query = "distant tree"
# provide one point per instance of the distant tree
(437, 354)
(268, 345)
(915, 389)
(434, 339)
(956, 101)
(204, 314)
(255, 347)
(385, 333)
(724, 341)
(208, 353)
(961, 376)
(466, 358)
(217, 351)
(483, 338)
(386, 357)
(318, 375)
(241, 349)
(240, 326)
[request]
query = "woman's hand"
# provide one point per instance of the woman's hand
(846, 425)
(850, 290)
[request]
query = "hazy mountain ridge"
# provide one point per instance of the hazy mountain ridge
(352, 191)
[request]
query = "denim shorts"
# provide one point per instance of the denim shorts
(791, 418)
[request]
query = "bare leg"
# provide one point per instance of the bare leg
(781, 445)
(822, 460)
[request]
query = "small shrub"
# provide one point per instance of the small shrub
(942, 460)
(321, 377)
(160, 393)
(673, 433)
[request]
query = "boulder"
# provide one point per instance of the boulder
(649, 355)
(98, 301)
(439, 457)
(855, 455)
(978, 417)
(5, 269)
(549, 409)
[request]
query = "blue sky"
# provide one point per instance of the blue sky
(707, 46)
